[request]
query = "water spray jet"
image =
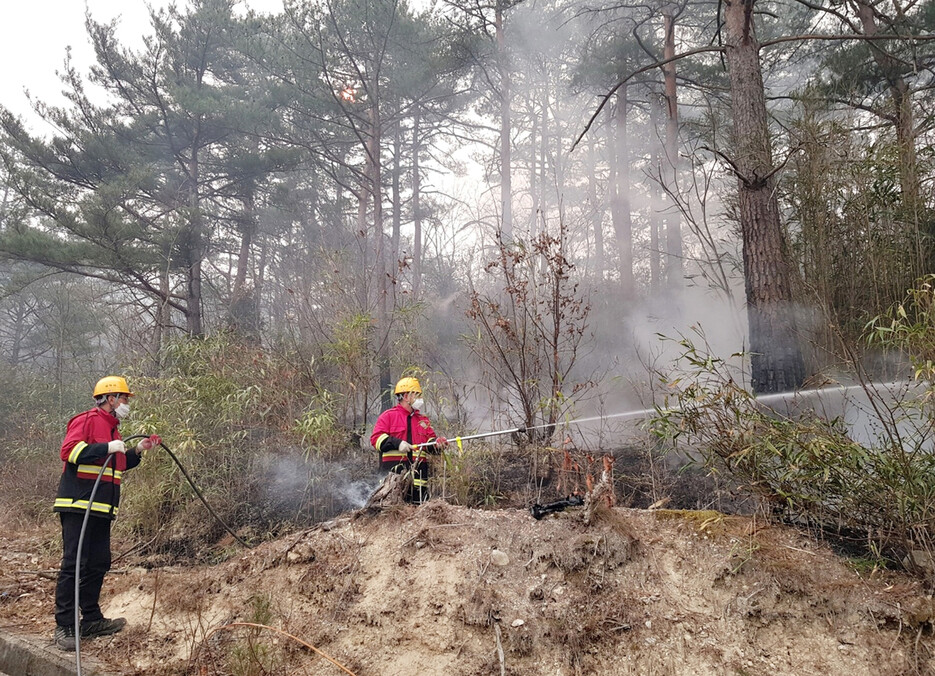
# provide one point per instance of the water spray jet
(646, 412)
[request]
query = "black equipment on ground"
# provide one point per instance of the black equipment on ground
(538, 511)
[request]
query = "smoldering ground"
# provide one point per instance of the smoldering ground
(301, 490)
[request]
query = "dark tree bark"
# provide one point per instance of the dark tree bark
(243, 311)
(247, 232)
(195, 251)
(776, 361)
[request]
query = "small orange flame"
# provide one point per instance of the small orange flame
(348, 94)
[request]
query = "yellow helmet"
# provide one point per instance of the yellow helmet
(111, 385)
(408, 385)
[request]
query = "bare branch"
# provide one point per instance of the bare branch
(657, 64)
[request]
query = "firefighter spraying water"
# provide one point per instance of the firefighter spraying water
(406, 454)
(403, 436)
(95, 454)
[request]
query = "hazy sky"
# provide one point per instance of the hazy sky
(34, 35)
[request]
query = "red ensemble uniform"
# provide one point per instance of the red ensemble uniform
(83, 453)
(394, 426)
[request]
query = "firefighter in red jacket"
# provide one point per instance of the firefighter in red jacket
(91, 437)
(397, 436)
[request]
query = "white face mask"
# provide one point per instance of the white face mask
(418, 404)
(122, 411)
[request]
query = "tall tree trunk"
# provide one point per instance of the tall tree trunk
(506, 129)
(674, 272)
(657, 220)
(19, 330)
(656, 227)
(394, 257)
(416, 209)
(620, 209)
(776, 357)
(366, 276)
(542, 206)
(261, 274)
(533, 182)
(597, 212)
(163, 314)
(247, 231)
(195, 251)
(376, 187)
(243, 312)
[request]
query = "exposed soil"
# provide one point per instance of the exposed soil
(450, 590)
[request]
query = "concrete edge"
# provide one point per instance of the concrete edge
(29, 656)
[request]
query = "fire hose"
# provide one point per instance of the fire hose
(84, 525)
(530, 428)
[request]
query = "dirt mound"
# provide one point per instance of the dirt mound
(450, 590)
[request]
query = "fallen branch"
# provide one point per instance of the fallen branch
(152, 611)
(47, 574)
(138, 545)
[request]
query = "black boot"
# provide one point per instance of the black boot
(64, 638)
(101, 627)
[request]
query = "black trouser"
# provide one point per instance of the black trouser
(95, 562)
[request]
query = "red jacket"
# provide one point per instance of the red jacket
(395, 425)
(83, 452)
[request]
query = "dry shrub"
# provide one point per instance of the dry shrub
(191, 598)
(707, 521)
(521, 641)
(33, 417)
(328, 578)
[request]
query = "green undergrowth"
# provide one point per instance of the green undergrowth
(807, 468)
